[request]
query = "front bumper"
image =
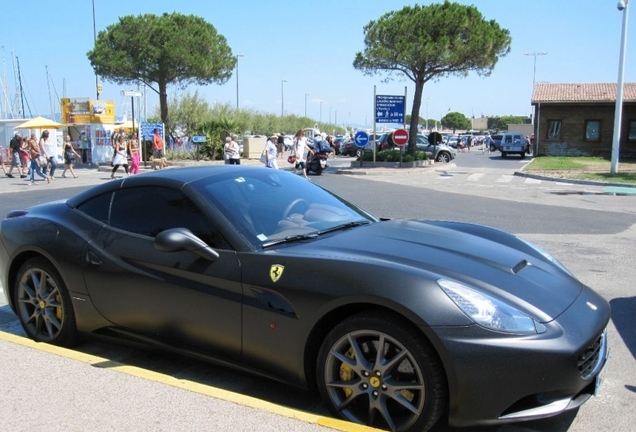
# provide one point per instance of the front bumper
(496, 378)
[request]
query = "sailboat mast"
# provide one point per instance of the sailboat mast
(20, 85)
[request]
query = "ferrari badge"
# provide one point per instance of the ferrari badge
(275, 272)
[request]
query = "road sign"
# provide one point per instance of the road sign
(199, 139)
(400, 137)
(389, 109)
(361, 138)
(131, 93)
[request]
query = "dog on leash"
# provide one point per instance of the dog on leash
(158, 163)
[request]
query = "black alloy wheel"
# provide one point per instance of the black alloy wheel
(43, 304)
(376, 369)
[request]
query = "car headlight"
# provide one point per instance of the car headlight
(489, 312)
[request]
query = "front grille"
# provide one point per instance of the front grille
(591, 359)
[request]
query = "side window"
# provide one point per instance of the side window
(554, 129)
(151, 210)
(98, 208)
(631, 133)
(592, 130)
(508, 138)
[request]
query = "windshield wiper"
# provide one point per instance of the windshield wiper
(290, 239)
(344, 226)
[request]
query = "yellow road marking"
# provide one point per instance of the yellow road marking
(207, 390)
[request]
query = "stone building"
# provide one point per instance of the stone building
(578, 119)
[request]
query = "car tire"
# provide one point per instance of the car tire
(492, 147)
(443, 157)
(369, 391)
(523, 155)
(503, 154)
(43, 304)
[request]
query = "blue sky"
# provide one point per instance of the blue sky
(311, 45)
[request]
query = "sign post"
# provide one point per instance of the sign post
(133, 94)
(361, 138)
(198, 139)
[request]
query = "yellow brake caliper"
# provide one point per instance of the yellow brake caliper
(346, 373)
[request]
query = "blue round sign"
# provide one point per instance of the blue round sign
(361, 138)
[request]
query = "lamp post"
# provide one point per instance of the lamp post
(306, 94)
(623, 7)
(282, 98)
(534, 71)
(237, 82)
(94, 42)
(427, 99)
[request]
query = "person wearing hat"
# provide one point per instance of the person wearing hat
(271, 150)
(84, 144)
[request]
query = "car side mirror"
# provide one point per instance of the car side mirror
(182, 239)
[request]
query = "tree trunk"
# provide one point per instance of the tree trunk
(163, 104)
(415, 115)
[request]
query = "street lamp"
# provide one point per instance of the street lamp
(94, 42)
(282, 98)
(237, 86)
(306, 94)
(534, 73)
(622, 6)
(427, 99)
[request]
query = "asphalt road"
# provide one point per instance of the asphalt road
(591, 233)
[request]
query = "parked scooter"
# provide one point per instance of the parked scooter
(318, 161)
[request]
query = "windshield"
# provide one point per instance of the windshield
(268, 205)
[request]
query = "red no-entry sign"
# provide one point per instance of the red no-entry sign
(400, 137)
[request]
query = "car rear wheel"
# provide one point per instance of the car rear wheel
(375, 369)
(492, 147)
(43, 304)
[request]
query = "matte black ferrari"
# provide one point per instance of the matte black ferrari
(397, 323)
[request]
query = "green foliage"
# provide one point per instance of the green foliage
(168, 49)
(394, 156)
(424, 43)
(501, 123)
(456, 120)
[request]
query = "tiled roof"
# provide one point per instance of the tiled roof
(582, 92)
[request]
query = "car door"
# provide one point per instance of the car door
(178, 297)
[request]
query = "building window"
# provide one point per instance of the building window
(554, 129)
(592, 130)
(631, 134)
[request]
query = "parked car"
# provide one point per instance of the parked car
(497, 142)
(395, 322)
(443, 153)
(337, 142)
(513, 143)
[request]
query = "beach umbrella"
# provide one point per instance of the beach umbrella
(40, 123)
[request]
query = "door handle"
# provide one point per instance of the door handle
(93, 259)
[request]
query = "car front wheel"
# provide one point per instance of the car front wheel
(377, 370)
(492, 147)
(43, 304)
(443, 157)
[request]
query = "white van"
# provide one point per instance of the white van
(513, 143)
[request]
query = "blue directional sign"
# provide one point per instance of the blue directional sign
(389, 109)
(361, 138)
(199, 139)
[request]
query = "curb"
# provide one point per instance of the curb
(574, 181)
(394, 171)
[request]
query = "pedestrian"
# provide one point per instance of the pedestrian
(280, 145)
(16, 161)
(487, 143)
(121, 157)
(49, 151)
(271, 152)
(114, 140)
(329, 140)
(69, 156)
(84, 143)
(226, 150)
(133, 147)
(35, 155)
(235, 151)
(299, 149)
(157, 145)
